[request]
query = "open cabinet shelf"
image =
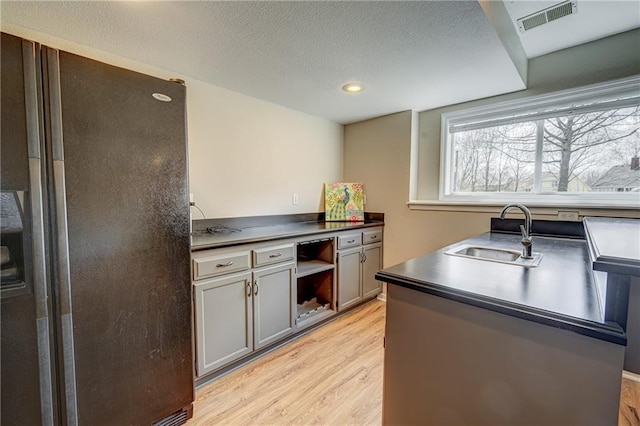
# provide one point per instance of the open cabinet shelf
(310, 267)
(315, 275)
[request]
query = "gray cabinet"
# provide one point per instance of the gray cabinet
(371, 264)
(273, 304)
(237, 313)
(349, 277)
(224, 320)
(359, 258)
(515, 371)
(250, 296)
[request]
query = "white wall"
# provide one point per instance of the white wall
(246, 156)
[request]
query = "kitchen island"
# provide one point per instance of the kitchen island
(471, 341)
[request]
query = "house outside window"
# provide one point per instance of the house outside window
(576, 147)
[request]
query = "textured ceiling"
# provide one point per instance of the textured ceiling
(409, 55)
(593, 20)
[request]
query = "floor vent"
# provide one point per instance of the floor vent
(547, 15)
(175, 419)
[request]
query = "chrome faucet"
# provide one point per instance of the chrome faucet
(524, 229)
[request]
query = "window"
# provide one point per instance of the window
(577, 147)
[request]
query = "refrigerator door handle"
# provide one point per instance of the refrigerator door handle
(55, 104)
(40, 287)
(61, 241)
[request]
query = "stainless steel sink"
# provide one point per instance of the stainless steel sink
(493, 254)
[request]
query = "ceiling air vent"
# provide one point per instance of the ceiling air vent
(547, 15)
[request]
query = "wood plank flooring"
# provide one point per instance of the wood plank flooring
(629, 403)
(331, 376)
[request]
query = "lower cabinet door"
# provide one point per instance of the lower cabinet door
(349, 291)
(273, 304)
(371, 265)
(224, 320)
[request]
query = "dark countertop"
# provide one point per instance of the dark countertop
(560, 292)
(202, 241)
(614, 244)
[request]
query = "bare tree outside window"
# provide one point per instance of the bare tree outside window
(581, 152)
(495, 159)
(578, 149)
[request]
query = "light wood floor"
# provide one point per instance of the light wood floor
(331, 376)
(629, 403)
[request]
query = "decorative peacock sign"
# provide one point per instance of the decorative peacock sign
(344, 201)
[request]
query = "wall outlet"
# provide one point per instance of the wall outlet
(572, 216)
(364, 199)
(191, 200)
(294, 198)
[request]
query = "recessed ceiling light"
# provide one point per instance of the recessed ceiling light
(353, 87)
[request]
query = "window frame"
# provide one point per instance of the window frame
(530, 109)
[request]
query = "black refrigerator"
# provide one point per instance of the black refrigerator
(95, 296)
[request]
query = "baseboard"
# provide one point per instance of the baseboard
(382, 297)
(631, 376)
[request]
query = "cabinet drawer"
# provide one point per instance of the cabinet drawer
(351, 240)
(269, 255)
(370, 237)
(210, 266)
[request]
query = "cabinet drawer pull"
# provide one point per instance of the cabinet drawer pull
(222, 265)
(255, 288)
(372, 237)
(275, 255)
(248, 289)
(351, 241)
